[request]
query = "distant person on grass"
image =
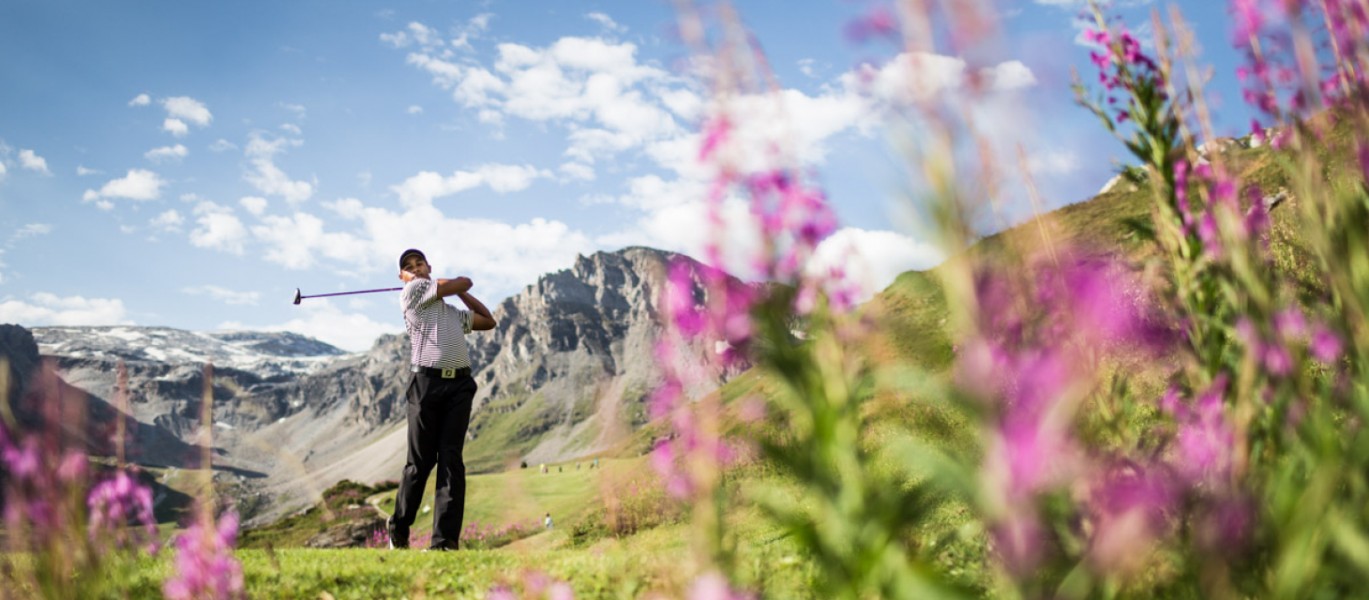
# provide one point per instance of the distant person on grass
(439, 398)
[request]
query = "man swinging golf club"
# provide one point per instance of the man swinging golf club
(439, 398)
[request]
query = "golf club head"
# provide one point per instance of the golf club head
(297, 296)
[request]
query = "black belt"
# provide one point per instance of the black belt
(448, 373)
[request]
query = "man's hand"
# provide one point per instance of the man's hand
(453, 287)
(406, 276)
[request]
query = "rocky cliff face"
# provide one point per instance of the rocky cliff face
(566, 371)
(20, 355)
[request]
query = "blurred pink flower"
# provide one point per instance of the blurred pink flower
(1205, 437)
(713, 586)
(73, 468)
(205, 566)
(1325, 345)
(117, 503)
(1277, 360)
(1225, 525)
(666, 463)
(1130, 508)
(715, 133)
(1290, 324)
(680, 303)
(1018, 541)
(1249, 20)
(880, 21)
(501, 592)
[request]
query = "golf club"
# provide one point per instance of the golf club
(299, 297)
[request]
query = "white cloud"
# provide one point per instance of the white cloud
(291, 128)
(224, 295)
(1011, 75)
(222, 145)
(871, 260)
(49, 309)
(606, 22)
(140, 100)
(254, 205)
(138, 184)
(577, 171)
(167, 221)
(299, 110)
(299, 241)
(219, 229)
(269, 179)
(31, 161)
(499, 257)
(185, 108)
(581, 79)
(422, 188)
(175, 127)
(353, 332)
(30, 230)
(82, 171)
(166, 153)
(415, 34)
(414, 109)
(2, 170)
(683, 102)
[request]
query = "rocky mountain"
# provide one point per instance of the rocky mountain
(265, 354)
(567, 370)
(20, 354)
(564, 374)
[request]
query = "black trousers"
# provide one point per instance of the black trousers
(439, 413)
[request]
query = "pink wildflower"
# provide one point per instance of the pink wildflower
(1290, 324)
(715, 133)
(205, 566)
(879, 22)
(713, 586)
(1277, 360)
(1205, 437)
(1018, 541)
(1129, 509)
(1249, 20)
(114, 503)
(1325, 345)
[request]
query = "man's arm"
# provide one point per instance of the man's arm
(453, 287)
(481, 319)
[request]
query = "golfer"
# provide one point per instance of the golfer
(439, 398)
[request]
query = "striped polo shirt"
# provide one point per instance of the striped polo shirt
(436, 329)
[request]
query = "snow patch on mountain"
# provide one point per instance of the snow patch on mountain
(268, 354)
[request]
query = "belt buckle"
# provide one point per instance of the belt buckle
(449, 373)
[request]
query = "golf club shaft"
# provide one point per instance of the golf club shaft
(395, 289)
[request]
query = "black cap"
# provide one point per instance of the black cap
(409, 252)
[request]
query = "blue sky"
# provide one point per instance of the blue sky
(190, 164)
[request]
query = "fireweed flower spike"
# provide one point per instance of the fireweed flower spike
(116, 501)
(205, 566)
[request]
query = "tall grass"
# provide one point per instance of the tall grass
(1247, 477)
